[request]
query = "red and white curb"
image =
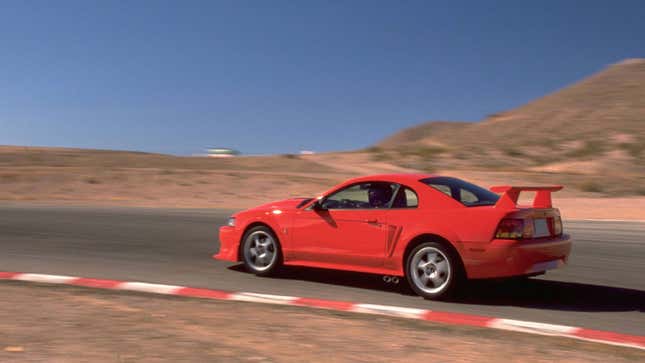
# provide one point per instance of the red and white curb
(605, 337)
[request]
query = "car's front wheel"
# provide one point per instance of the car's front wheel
(433, 271)
(261, 252)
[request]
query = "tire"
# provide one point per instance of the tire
(433, 271)
(260, 251)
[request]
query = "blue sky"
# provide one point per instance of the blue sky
(281, 76)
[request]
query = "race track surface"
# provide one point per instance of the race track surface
(603, 287)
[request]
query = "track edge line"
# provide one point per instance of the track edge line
(440, 317)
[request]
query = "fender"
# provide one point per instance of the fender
(278, 222)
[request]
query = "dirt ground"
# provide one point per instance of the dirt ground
(236, 190)
(44, 323)
(95, 177)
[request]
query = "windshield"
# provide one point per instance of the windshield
(466, 193)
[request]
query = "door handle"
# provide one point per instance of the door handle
(371, 221)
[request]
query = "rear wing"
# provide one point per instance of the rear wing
(508, 200)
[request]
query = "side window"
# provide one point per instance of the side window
(405, 198)
(467, 197)
(411, 197)
(442, 188)
(466, 193)
(361, 196)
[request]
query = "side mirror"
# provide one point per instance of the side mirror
(318, 205)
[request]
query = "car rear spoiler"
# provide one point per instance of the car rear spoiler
(508, 200)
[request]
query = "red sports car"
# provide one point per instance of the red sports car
(433, 230)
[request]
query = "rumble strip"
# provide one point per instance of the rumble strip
(605, 337)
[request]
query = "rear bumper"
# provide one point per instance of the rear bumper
(505, 258)
(229, 242)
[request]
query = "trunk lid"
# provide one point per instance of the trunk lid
(540, 219)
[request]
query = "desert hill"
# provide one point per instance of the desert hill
(601, 113)
(595, 126)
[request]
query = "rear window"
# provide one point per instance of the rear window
(465, 193)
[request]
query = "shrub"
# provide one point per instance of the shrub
(373, 149)
(591, 187)
(92, 180)
(590, 148)
(424, 152)
(635, 149)
(9, 178)
(514, 153)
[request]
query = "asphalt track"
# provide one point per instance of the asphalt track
(602, 288)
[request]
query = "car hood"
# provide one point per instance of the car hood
(285, 204)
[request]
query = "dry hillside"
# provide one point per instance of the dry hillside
(593, 130)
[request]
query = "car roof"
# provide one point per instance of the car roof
(395, 178)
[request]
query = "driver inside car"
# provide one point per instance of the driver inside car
(379, 195)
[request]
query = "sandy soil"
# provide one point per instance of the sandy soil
(66, 324)
(602, 208)
(95, 177)
(239, 190)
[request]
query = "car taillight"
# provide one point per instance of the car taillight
(557, 226)
(510, 228)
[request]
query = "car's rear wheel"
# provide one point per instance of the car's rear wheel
(433, 271)
(261, 252)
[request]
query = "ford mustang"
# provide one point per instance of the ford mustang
(434, 231)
